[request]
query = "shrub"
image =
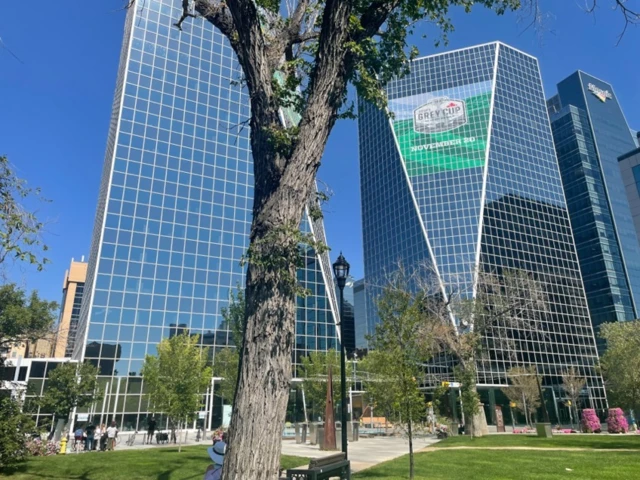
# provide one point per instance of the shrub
(590, 421)
(14, 426)
(616, 423)
(38, 448)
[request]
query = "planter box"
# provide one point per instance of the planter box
(544, 430)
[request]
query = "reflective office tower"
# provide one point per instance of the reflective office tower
(174, 211)
(464, 177)
(360, 316)
(630, 168)
(590, 133)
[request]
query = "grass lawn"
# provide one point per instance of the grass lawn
(155, 463)
(563, 441)
(445, 463)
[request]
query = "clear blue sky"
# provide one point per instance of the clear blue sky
(55, 107)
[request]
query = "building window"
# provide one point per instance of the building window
(636, 176)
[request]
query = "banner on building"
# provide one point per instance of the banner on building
(443, 130)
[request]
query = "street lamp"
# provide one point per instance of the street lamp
(341, 272)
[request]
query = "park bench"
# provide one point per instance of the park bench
(333, 466)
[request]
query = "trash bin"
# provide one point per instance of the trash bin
(298, 431)
(353, 434)
(313, 432)
(303, 432)
(320, 435)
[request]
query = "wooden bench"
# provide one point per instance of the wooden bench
(323, 469)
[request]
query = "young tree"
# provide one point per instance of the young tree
(504, 303)
(523, 391)
(227, 360)
(621, 364)
(177, 378)
(14, 426)
(225, 366)
(23, 317)
(299, 55)
(394, 369)
(20, 229)
(314, 371)
(70, 385)
(572, 385)
(469, 397)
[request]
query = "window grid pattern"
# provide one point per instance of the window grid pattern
(525, 221)
(175, 207)
(612, 138)
(450, 200)
(75, 317)
(601, 263)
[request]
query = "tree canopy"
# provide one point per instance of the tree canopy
(177, 378)
(395, 367)
(314, 371)
(70, 385)
(23, 317)
(621, 363)
(20, 229)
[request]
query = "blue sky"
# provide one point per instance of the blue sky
(55, 106)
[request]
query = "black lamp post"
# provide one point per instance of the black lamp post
(341, 271)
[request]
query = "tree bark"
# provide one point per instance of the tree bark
(284, 180)
(410, 432)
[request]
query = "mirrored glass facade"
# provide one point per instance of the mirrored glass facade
(607, 137)
(594, 229)
(175, 208)
(464, 176)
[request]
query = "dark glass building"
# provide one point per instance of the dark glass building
(464, 178)
(174, 211)
(360, 316)
(590, 133)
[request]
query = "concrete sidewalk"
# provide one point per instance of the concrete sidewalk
(364, 453)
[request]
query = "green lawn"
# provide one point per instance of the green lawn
(155, 463)
(564, 441)
(446, 464)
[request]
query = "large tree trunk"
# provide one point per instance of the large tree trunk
(479, 427)
(284, 174)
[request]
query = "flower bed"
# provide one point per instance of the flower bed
(590, 421)
(38, 448)
(616, 423)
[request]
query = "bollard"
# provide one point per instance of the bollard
(63, 445)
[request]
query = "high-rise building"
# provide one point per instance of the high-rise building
(72, 291)
(175, 208)
(630, 168)
(590, 133)
(462, 178)
(360, 315)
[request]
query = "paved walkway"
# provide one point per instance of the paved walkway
(364, 453)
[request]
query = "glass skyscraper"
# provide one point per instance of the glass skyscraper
(463, 177)
(175, 209)
(590, 133)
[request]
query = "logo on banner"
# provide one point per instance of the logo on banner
(440, 115)
(600, 93)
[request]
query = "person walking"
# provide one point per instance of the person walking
(151, 429)
(112, 434)
(97, 437)
(89, 437)
(216, 453)
(103, 437)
